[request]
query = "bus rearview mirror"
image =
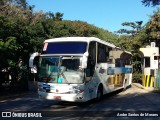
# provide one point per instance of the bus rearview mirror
(84, 63)
(32, 66)
(34, 69)
(84, 60)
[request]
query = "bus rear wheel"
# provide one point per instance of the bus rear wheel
(125, 85)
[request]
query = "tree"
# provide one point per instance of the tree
(151, 2)
(136, 27)
(153, 29)
(19, 29)
(58, 16)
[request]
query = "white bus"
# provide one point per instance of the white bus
(79, 69)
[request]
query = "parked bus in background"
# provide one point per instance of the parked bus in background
(79, 69)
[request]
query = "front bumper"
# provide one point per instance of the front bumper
(62, 97)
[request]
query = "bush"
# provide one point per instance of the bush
(137, 77)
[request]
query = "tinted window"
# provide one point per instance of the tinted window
(101, 53)
(66, 48)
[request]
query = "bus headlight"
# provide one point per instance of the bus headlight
(41, 89)
(77, 90)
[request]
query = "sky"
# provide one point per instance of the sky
(106, 14)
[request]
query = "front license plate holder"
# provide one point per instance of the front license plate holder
(57, 97)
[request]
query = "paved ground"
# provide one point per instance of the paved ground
(133, 100)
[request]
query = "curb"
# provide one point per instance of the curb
(138, 85)
(146, 88)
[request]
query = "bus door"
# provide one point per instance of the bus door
(90, 79)
(101, 67)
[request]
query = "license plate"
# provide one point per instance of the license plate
(57, 97)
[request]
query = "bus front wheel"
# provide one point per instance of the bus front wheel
(99, 94)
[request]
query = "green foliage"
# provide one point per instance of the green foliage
(151, 2)
(8, 48)
(16, 21)
(67, 28)
(152, 30)
(137, 77)
(136, 27)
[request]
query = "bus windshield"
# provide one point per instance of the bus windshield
(60, 70)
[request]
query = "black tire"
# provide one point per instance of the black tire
(124, 86)
(99, 94)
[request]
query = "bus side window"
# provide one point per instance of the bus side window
(120, 62)
(101, 53)
(109, 55)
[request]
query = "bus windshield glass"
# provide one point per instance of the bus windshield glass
(62, 70)
(65, 48)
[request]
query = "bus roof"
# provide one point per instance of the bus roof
(83, 39)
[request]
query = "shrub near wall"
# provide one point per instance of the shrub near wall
(137, 77)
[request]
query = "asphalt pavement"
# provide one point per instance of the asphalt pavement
(16, 95)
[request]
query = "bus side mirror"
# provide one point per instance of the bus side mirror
(84, 63)
(84, 60)
(33, 67)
